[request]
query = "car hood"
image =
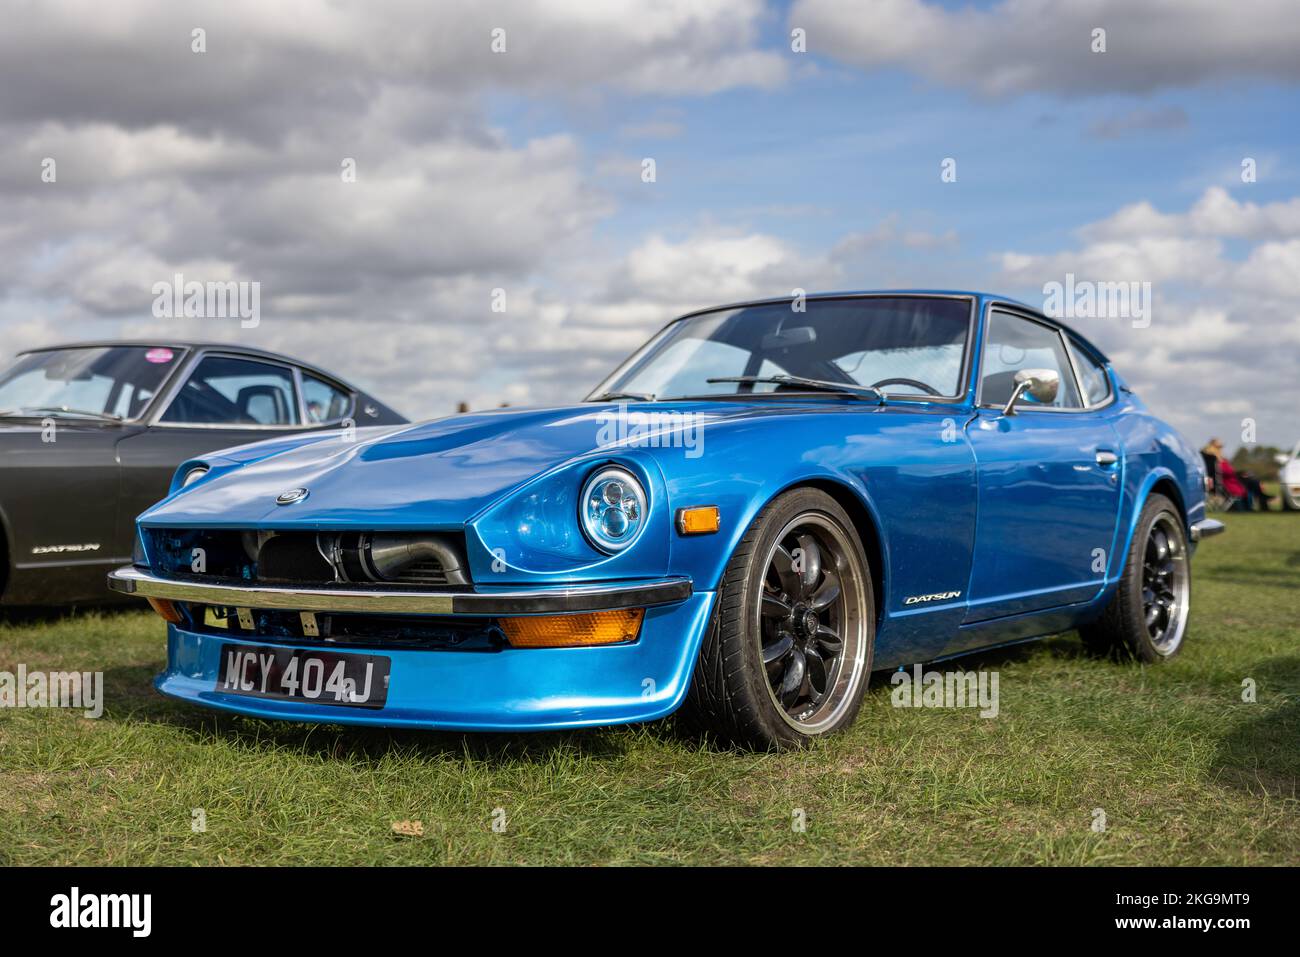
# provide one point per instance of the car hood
(437, 474)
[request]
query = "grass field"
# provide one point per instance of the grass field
(1184, 770)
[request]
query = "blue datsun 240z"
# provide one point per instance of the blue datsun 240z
(758, 508)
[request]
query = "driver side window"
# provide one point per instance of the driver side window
(1014, 343)
(224, 390)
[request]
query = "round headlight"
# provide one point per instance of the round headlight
(193, 475)
(612, 508)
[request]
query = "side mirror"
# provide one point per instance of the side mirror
(1281, 458)
(1041, 385)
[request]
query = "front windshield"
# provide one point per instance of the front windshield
(904, 346)
(116, 381)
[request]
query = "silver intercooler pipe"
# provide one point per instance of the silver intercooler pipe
(381, 556)
(389, 554)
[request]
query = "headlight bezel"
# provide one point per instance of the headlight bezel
(606, 475)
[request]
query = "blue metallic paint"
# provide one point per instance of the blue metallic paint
(951, 498)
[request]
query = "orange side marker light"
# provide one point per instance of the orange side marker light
(166, 610)
(701, 520)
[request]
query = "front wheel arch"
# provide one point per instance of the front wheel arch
(864, 523)
(730, 694)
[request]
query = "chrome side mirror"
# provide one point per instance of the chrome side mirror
(1041, 385)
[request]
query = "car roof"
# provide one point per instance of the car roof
(851, 293)
(194, 345)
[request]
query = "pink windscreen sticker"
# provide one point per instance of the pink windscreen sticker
(159, 355)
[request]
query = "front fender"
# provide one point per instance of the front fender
(532, 535)
(705, 557)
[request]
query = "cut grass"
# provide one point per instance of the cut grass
(1184, 770)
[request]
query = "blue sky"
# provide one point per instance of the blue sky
(838, 150)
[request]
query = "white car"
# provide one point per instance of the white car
(1288, 477)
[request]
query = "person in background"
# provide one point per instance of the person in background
(1242, 486)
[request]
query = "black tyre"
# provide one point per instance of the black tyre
(1147, 616)
(788, 654)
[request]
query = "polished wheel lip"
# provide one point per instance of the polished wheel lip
(849, 610)
(562, 600)
(1166, 584)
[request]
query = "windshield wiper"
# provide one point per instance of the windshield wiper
(635, 396)
(106, 416)
(815, 385)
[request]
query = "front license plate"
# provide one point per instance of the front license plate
(322, 677)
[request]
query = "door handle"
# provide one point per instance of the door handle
(1106, 458)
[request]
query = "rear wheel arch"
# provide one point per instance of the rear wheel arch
(1156, 564)
(1163, 484)
(1166, 486)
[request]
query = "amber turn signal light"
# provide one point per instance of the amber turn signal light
(166, 610)
(572, 631)
(701, 520)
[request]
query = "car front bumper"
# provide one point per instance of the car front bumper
(509, 689)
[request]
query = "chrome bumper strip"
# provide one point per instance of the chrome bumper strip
(551, 601)
(1207, 527)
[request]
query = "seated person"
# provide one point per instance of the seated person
(1242, 486)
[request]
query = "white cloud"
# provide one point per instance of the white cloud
(715, 268)
(434, 343)
(1021, 46)
(271, 67)
(1215, 213)
(1272, 269)
(227, 165)
(1225, 330)
(1136, 258)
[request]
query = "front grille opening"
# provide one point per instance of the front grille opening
(409, 559)
(293, 558)
(361, 630)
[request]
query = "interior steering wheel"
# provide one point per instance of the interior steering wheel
(928, 390)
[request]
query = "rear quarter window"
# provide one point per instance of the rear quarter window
(1092, 375)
